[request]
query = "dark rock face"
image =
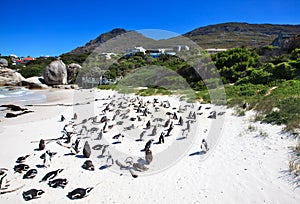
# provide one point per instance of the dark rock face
(72, 72)
(86, 150)
(56, 73)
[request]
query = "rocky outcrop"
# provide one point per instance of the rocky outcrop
(72, 72)
(56, 73)
(10, 77)
(3, 62)
(34, 83)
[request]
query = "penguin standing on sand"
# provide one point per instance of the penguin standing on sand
(148, 156)
(204, 146)
(148, 145)
(161, 138)
(42, 144)
(170, 129)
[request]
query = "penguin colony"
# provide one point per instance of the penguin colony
(74, 131)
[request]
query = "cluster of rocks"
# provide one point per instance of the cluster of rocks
(56, 74)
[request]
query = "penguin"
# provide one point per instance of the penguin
(148, 124)
(88, 165)
(42, 144)
(51, 175)
(148, 156)
(204, 146)
(148, 145)
(22, 159)
(79, 193)
(32, 194)
(21, 167)
(58, 183)
(30, 174)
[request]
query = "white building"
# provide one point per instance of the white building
(214, 50)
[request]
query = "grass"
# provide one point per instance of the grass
(107, 87)
(153, 91)
(285, 98)
(294, 167)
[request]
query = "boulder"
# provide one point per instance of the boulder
(10, 77)
(3, 62)
(72, 72)
(56, 73)
(34, 83)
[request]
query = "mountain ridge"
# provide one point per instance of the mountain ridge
(223, 35)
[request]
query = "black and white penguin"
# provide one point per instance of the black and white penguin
(148, 144)
(30, 174)
(51, 175)
(22, 159)
(42, 144)
(21, 167)
(58, 183)
(88, 165)
(32, 194)
(79, 193)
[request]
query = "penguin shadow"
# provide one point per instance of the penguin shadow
(37, 149)
(118, 142)
(100, 156)
(39, 166)
(181, 138)
(69, 154)
(105, 166)
(80, 156)
(138, 140)
(142, 150)
(197, 153)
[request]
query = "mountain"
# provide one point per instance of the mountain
(92, 44)
(229, 35)
(225, 35)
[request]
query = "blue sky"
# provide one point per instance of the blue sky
(37, 27)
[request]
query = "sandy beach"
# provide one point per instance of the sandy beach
(247, 162)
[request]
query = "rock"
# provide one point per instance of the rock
(34, 83)
(3, 62)
(56, 73)
(86, 150)
(72, 70)
(10, 77)
(13, 107)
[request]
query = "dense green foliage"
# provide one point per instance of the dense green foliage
(36, 67)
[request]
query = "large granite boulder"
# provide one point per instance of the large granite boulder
(56, 73)
(72, 70)
(34, 83)
(10, 77)
(3, 62)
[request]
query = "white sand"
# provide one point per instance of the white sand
(242, 168)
